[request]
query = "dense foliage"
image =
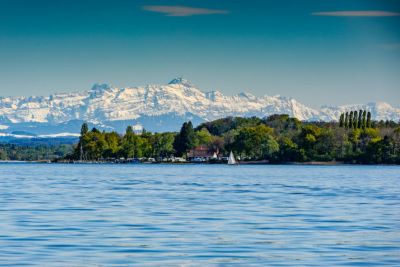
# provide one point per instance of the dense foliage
(33, 152)
(94, 145)
(278, 138)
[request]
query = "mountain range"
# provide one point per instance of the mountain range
(156, 108)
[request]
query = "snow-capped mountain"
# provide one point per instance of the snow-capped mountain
(155, 107)
(379, 111)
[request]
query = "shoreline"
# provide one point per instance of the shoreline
(264, 162)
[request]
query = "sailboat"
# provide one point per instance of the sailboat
(231, 159)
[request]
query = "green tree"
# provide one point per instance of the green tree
(113, 141)
(163, 144)
(369, 122)
(355, 120)
(129, 130)
(359, 122)
(307, 140)
(93, 145)
(380, 151)
(351, 120)
(289, 151)
(185, 140)
(203, 137)
(256, 142)
(3, 154)
(346, 120)
(364, 120)
(282, 122)
(84, 129)
(341, 120)
(129, 143)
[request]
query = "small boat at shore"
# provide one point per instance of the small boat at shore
(231, 159)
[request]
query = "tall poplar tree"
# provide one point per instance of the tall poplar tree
(346, 120)
(355, 118)
(341, 120)
(369, 119)
(359, 123)
(351, 120)
(364, 119)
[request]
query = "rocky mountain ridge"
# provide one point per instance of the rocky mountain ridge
(157, 108)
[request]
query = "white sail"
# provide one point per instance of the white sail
(231, 160)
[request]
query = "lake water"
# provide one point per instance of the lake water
(193, 215)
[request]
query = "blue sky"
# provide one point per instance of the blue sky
(317, 51)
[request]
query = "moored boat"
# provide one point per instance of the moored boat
(231, 159)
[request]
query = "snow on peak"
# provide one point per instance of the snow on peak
(382, 105)
(214, 95)
(104, 104)
(379, 110)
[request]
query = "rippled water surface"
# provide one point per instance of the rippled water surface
(191, 215)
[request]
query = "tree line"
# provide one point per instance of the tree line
(34, 152)
(352, 119)
(277, 138)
